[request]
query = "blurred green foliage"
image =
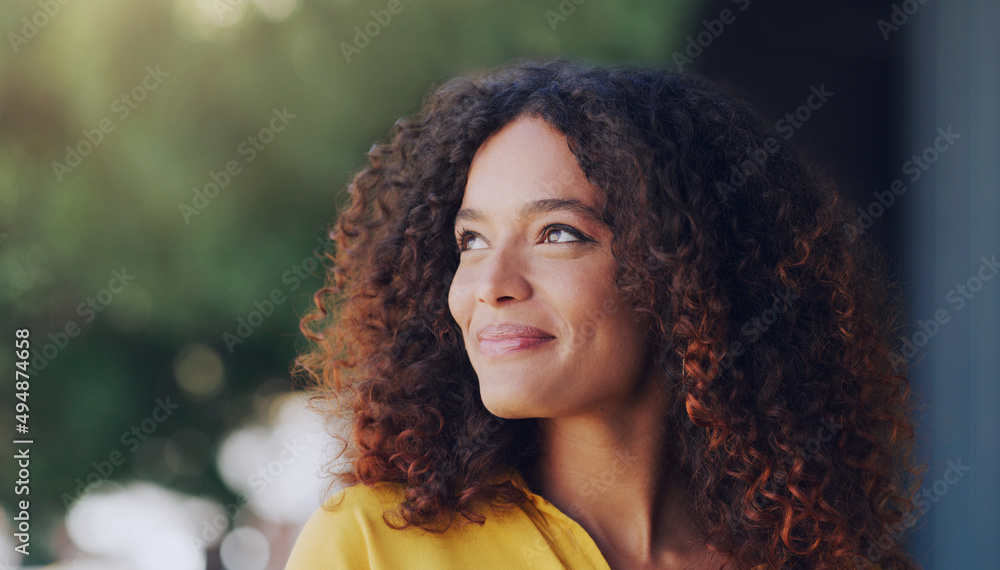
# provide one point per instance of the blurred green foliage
(225, 66)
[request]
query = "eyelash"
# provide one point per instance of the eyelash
(464, 233)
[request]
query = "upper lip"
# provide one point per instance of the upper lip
(499, 331)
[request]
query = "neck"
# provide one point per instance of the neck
(612, 471)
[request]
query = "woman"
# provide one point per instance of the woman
(603, 318)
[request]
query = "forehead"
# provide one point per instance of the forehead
(526, 160)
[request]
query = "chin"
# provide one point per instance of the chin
(510, 403)
(507, 413)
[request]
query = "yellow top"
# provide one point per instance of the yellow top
(353, 536)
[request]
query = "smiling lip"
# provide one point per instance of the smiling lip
(505, 338)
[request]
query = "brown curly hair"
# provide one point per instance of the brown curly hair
(774, 320)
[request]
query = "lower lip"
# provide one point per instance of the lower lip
(499, 347)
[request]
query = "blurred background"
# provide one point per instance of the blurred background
(166, 167)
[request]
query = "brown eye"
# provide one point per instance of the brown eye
(564, 234)
(464, 242)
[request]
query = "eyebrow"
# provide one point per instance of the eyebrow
(536, 207)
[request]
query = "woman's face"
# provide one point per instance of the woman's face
(544, 324)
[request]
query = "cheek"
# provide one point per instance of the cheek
(589, 318)
(459, 297)
(604, 321)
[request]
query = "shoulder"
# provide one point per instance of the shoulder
(349, 532)
(340, 533)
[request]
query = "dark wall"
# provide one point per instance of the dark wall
(774, 52)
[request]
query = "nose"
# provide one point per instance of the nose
(503, 278)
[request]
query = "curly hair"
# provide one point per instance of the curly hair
(774, 320)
